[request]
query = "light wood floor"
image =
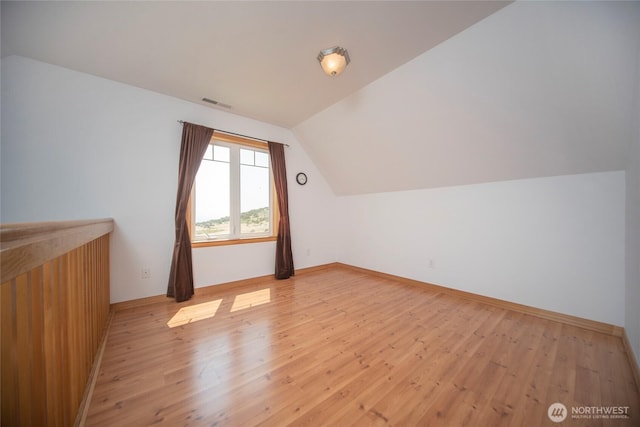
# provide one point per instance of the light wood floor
(341, 347)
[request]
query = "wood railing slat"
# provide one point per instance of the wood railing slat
(52, 316)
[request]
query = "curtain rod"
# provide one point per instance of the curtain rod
(239, 134)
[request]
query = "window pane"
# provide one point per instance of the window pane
(212, 201)
(262, 159)
(254, 200)
(246, 157)
(208, 155)
(221, 154)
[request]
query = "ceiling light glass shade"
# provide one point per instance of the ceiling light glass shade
(334, 60)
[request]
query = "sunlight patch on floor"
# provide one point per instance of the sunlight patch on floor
(251, 299)
(194, 313)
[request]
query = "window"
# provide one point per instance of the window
(233, 196)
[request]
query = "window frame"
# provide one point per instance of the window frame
(227, 139)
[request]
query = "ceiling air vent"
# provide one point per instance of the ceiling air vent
(214, 102)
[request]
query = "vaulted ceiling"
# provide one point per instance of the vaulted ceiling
(536, 89)
(259, 57)
(437, 94)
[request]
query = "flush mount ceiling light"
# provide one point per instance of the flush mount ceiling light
(334, 60)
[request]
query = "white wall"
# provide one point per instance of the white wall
(554, 243)
(632, 300)
(77, 146)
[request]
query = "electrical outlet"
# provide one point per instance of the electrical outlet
(431, 263)
(146, 273)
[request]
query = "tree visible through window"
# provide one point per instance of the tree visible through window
(232, 196)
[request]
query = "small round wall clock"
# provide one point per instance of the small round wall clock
(301, 178)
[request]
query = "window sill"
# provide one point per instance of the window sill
(207, 243)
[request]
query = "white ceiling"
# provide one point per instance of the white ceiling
(258, 57)
(537, 89)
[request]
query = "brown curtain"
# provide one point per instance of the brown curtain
(195, 140)
(284, 256)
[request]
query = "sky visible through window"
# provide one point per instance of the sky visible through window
(213, 183)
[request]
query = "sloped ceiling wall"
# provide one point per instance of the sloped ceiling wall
(537, 89)
(257, 56)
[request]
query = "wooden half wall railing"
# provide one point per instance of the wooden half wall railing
(54, 307)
